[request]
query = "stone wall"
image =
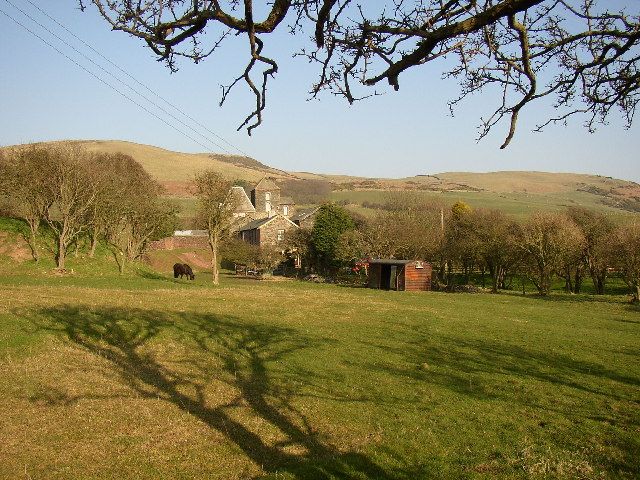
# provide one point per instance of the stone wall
(269, 232)
(258, 198)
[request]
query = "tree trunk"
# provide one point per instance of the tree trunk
(62, 253)
(34, 246)
(502, 277)
(94, 244)
(213, 244)
(121, 264)
(577, 283)
(599, 278)
(442, 271)
(568, 286)
(31, 239)
(544, 287)
(635, 292)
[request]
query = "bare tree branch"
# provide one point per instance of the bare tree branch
(580, 54)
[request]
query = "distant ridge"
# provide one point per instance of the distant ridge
(175, 170)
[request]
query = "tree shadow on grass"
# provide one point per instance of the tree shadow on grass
(622, 299)
(548, 383)
(464, 365)
(556, 297)
(223, 349)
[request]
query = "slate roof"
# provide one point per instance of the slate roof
(243, 204)
(286, 201)
(304, 214)
(255, 224)
(261, 222)
(266, 184)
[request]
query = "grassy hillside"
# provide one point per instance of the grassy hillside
(144, 376)
(175, 169)
(518, 193)
(168, 166)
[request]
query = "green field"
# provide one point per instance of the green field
(144, 376)
(517, 204)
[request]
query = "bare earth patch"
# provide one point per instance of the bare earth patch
(15, 248)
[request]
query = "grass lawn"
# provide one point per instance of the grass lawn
(145, 376)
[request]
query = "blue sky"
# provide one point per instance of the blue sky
(44, 96)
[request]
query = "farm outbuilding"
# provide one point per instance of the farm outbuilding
(401, 275)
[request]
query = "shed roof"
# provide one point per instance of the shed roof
(390, 261)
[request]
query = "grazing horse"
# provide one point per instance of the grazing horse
(180, 269)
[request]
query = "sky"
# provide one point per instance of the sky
(54, 94)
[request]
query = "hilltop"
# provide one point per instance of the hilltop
(515, 191)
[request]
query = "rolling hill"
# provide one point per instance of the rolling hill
(516, 192)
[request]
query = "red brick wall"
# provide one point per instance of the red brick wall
(417, 279)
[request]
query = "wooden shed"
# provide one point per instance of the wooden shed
(401, 275)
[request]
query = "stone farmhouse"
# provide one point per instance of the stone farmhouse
(267, 216)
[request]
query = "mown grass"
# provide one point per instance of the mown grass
(144, 376)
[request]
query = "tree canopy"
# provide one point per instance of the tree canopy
(582, 55)
(330, 223)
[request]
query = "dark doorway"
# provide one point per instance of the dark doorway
(388, 277)
(385, 277)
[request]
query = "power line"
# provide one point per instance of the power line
(102, 81)
(116, 78)
(97, 52)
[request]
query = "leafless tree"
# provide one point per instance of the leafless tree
(596, 255)
(625, 244)
(26, 181)
(216, 206)
(408, 227)
(547, 240)
(116, 181)
(496, 240)
(580, 54)
(73, 189)
(131, 212)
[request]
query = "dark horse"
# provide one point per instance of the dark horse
(180, 269)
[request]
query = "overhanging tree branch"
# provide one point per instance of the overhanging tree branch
(580, 54)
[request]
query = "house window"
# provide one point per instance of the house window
(267, 201)
(285, 209)
(280, 235)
